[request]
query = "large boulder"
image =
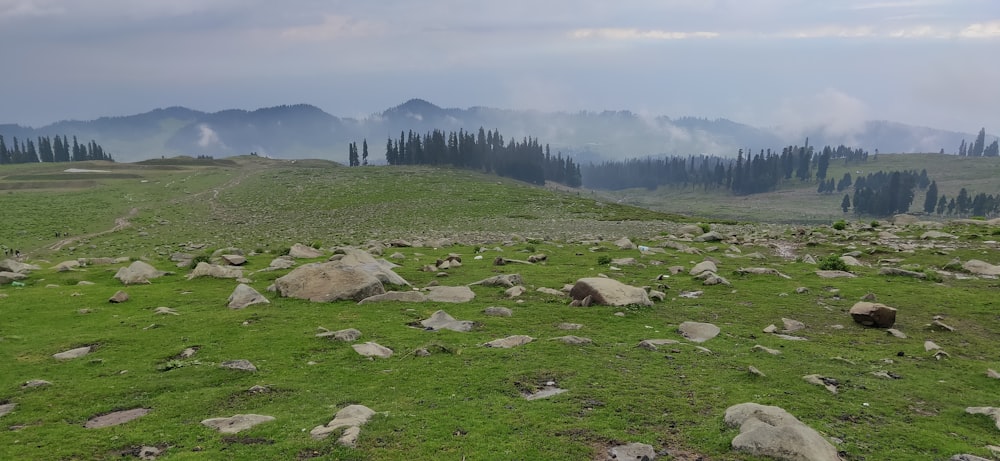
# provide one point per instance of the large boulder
(399, 296)
(975, 266)
(704, 266)
(244, 295)
(873, 314)
(7, 277)
(440, 320)
(698, 332)
(204, 269)
(11, 265)
(327, 282)
(445, 294)
(609, 292)
(771, 432)
(138, 273)
(379, 268)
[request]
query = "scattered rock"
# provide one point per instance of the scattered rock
(138, 273)
(544, 393)
(801, 290)
(992, 373)
(165, 311)
(936, 235)
(371, 349)
(300, 251)
(498, 311)
(7, 408)
(790, 337)
(115, 418)
(118, 297)
(502, 280)
(204, 269)
(761, 271)
(327, 282)
(281, 262)
(754, 371)
(551, 291)
(758, 347)
(351, 418)
(834, 274)
(574, 340)
(992, 412)
(691, 294)
(510, 341)
(698, 332)
(873, 314)
(931, 346)
(711, 236)
(977, 267)
(244, 295)
(941, 326)
(569, 326)
(236, 423)
(399, 296)
(346, 335)
(446, 294)
(240, 364)
(10, 265)
(829, 383)
(66, 266)
(515, 291)
(896, 333)
(624, 244)
(73, 353)
(654, 344)
(609, 292)
(35, 383)
(632, 451)
(704, 266)
(791, 326)
(440, 320)
(901, 272)
(9, 277)
(967, 457)
(769, 431)
(234, 260)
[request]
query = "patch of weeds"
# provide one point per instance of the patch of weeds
(840, 225)
(832, 263)
(603, 260)
(244, 440)
(530, 248)
(874, 224)
(317, 245)
(931, 275)
(284, 251)
(198, 259)
(706, 227)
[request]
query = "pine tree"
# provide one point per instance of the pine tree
(992, 150)
(364, 152)
(845, 204)
(942, 204)
(962, 149)
(931, 199)
(980, 144)
(823, 163)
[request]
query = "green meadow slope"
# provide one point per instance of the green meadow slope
(464, 400)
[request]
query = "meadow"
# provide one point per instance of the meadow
(465, 401)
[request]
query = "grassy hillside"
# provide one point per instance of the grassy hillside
(797, 202)
(465, 401)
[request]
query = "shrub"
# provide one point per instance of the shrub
(840, 225)
(603, 260)
(285, 251)
(832, 263)
(931, 275)
(705, 227)
(874, 224)
(200, 258)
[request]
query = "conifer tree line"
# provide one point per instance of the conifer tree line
(747, 174)
(964, 204)
(46, 149)
(526, 160)
(886, 193)
(979, 148)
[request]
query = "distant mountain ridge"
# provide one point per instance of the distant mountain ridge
(305, 131)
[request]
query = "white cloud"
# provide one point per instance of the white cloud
(207, 137)
(11, 9)
(831, 31)
(612, 33)
(831, 112)
(982, 30)
(333, 27)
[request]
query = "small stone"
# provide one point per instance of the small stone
(896, 333)
(574, 340)
(654, 344)
(7, 408)
(165, 311)
(754, 371)
(939, 325)
(992, 373)
(119, 297)
(697, 331)
(632, 451)
(829, 383)
(931, 346)
(371, 349)
(73, 353)
(758, 347)
(792, 326)
(236, 423)
(770, 328)
(498, 312)
(240, 364)
(509, 342)
(569, 326)
(116, 418)
(35, 383)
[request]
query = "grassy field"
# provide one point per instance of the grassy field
(464, 402)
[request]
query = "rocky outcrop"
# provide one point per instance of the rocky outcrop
(138, 273)
(768, 431)
(609, 292)
(204, 269)
(236, 423)
(244, 295)
(327, 282)
(349, 418)
(873, 314)
(304, 252)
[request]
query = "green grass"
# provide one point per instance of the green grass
(464, 401)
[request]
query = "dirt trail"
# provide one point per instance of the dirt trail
(120, 223)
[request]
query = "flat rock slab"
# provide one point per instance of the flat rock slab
(116, 418)
(835, 274)
(704, 266)
(654, 344)
(544, 393)
(204, 269)
(73, 353)
(698, 332)
(35, 383)
(768, 431)
(244, 295)
(346, 335)
(240, 364)
(569, 326)
(502, 280)
(328, 282)
(509, 342)
(236, 423)
(632, 452)
(445, 294)
(7, 277)
(399, 296)
(440, 320)
(138, 273)
(301, 251)
(498, 311)
(609, 292)
(352, 416)
(574, 340)
(371, 349)
(978, 267)
(992, 412)
(7, 408)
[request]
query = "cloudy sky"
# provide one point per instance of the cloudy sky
(763, 62)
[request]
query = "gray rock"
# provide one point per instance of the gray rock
(301, 251)
(498, 311)
(440, 320)
(116, 418)
(327, 282)
(234, 260)
(7, 408)
(992, 412)
(624, 244)
(118, 297)
(698, 332)
(73, 353)
(760, 271)
(790, 338)
(834, 274)
(66, 266)
(829, 383)
(967, 457)
(574, 340)
(236, 423)
(350, 418)
(704, 266)
(936, 235)
(7, 277)
(754, 371)
(398, 296)
(509, 342)
(690, 229)
(244, 295)
(35, 383)
(10, 265)
(632, 452)
(502, 280)
(901, 272)
(240, 364)
(654, 344)
(758, 347)
(346, 335)
(851, 261)
(691, 294)
(569, 326)
(772, 432)
(609, 292)
(515, 291)
(896, 333)
(544, 393)
(551, 291)
(371, 349)
(873, 314)
(138, 273)
(165, 311)
(791, 326)
(446, 294)
(975, 266)
(711, 236)
(204, 269)
(282, 262)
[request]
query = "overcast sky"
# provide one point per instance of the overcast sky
(763, 62)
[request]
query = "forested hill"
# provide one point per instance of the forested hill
(304, 131)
